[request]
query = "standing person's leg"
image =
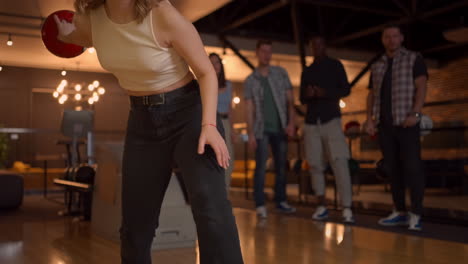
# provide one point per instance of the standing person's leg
(204, 178)
(227, 131)
(410, 153)
(391, 166)
(279, 149)
(261, 156)
(146, 172)
(315, 159)
(338, 156)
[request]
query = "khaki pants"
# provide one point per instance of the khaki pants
(326, 142)
(228, 139)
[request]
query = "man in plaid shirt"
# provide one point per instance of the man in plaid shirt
(397, 91)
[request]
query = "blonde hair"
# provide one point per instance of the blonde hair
(142, 7)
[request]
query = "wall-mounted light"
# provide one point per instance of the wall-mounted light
(9, 42)
(342, 104)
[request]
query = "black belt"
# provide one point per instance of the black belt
(223, 116)
(163, 98)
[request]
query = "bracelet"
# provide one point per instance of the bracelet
(209, 124)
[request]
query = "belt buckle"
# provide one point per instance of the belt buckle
(163, 99)
(149, 102)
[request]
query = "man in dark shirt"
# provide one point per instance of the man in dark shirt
(323, 84)
(397, 91)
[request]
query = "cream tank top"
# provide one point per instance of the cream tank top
(131, 52)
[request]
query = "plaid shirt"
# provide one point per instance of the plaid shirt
(403, 89)
(253, 90)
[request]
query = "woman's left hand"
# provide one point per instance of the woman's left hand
(210, 136)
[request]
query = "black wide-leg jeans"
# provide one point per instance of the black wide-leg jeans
(157, 137)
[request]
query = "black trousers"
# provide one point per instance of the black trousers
(401, 149)
(157, 136)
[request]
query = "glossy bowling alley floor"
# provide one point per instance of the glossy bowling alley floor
(32, 236)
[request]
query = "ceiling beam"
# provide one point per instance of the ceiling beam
(414, 6)
(365, 69)
(298, 32)
(342, 24)
(3, 14)
(236, 51)
(20, 35)
(402, 21)
(351, 6)
(402, 7)
(22, 26)
(370, 30)
(250, 17)
(438, 22)
(444, 47)
(445, 9)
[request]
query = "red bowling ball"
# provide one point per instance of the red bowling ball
(50, 32)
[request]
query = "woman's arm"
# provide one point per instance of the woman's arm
(173, 30)
(78, 32)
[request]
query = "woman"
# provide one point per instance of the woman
(224, 110)
(148, 45)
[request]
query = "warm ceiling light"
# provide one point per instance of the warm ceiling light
(96, 84)
(64, 82)
(9, 42)
(56, 94)
(1, 68)
(90, 101)
(64, 72)
(78, 87)
(91, 50)
(236, 100)
(91, 87)
(77, 97)
(101, 90)
(64, 97)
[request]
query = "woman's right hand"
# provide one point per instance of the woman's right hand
(64, 27)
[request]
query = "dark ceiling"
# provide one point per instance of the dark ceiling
(351, 24)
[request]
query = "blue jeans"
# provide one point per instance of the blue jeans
(279, 149)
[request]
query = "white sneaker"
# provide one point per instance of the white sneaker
(348, 216)
(414, 222)
(395, 219)
(262, 212)
(321, 213)
(284, 207)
